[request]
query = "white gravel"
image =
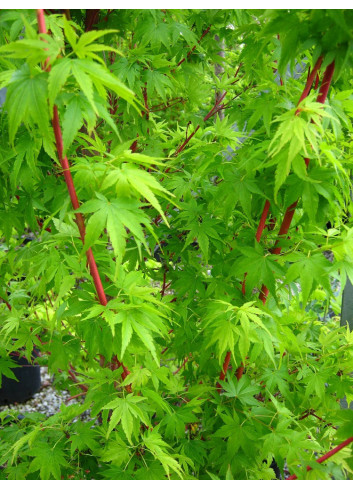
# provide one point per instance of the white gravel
(47, 401)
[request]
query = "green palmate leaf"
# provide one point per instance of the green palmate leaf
(47, 461)
(104, 114)
(231, 430)
(5, 77)
(26, 101)
(243, 390)
(159, 82)
(310, 269)
(86, 71)
(157, 399)
(139, 181)
(126, 411)
(116, 215)
(87, 38)
(145, 160)
(159, 449)
(225, 336)
(115, 451)
(32, 49)
(244, 344)
(83, 437)
(138, 377)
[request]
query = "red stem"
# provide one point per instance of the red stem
(77, 395)
(164, 283)
(326, 456)
(91, 18)
(193, 49)
(287, 219)
(145, 99)
(240, 371)
(75, 204)
(41, 21)
(73, 195)
(70, 184)
(260, 229)
(74, 378)
(180, 149)
(280, 79)
(310, 80)
(317, 81)
(288, 216)
(224, 370)
(159, 107)
(225, 366)
(212, 112)
(181, 366)
(262, 222)
(326, 82)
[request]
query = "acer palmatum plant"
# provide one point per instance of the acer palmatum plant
(156, 225)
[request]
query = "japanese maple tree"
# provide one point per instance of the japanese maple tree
(182, 181)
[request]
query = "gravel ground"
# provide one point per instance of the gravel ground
(46, 401)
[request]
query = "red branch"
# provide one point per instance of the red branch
(194, 47)
(181, 366)
(260, 229)
(290, 211)
(170, 103)
(305, 93)
(75, 204)
(280, 78)
(91, 18)
(224, 369)
(262, 222)
(8, 306)
(74, 378)
(310, 80)
(216, 108)
(72, 191)
(326, 456)
(145, 99)
(164, 287)
(288, 216)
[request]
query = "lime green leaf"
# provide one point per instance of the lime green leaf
(48, 460)
(57, 78)
(126, 333)
(84, 81)
(88, 37)
(72, 122)
(146, 338)
(95, 226)
(70, 33)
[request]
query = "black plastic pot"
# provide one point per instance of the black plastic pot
(276, 470)
(29, 382)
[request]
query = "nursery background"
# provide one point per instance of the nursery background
(175, 238)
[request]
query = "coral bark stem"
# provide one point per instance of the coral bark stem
(326, 456)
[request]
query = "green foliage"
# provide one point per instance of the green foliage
(173, 159)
